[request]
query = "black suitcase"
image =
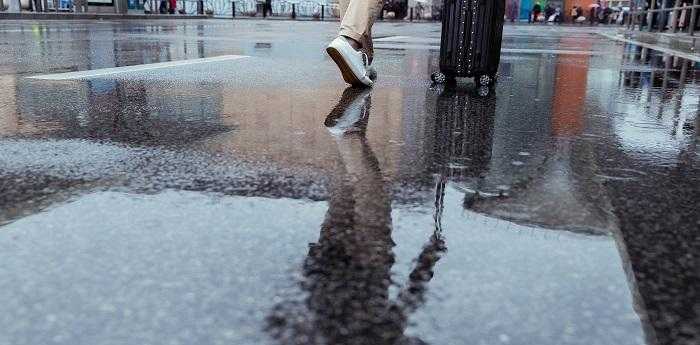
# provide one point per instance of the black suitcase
(470, 44)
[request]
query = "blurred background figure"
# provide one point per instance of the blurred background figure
(548, 12)
(512, 10)
(536, 10)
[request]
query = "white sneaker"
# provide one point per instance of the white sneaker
(352, 63)
(351, 113)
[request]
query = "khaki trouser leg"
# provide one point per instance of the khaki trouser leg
(357, 17)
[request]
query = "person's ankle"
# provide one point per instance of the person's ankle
(353, 43)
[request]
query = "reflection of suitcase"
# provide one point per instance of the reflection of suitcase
(471, 40)
(463, 132)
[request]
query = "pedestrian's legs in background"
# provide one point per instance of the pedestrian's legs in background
(268, 7)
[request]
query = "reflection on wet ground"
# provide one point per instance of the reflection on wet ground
(259, 201)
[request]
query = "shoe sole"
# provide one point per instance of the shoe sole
(348, 75)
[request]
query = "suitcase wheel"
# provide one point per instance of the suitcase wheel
(483, 91)
(438, 77)
(484, 80)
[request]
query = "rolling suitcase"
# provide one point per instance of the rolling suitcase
(470, 44)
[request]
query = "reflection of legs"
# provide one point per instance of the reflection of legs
(348, 270)
(347, 273)
(372, 205)
(372, 221)
(358, 193)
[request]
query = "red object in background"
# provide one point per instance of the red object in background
(571, 86)
(584, 4)
(173, 6)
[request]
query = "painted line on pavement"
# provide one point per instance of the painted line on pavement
(136, 68)
(408, 39)
(503, 50)
(686, 56)
(551, 51)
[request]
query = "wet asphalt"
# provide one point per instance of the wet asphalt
(221, 203)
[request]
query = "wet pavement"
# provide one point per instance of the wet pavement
(216, 200)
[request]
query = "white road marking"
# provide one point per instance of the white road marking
(136, 68)
(503, 50)
(687, 56)
(551, 51)
(166, 37)
(408, 39)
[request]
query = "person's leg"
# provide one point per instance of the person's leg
(343, 7)
(347, 50)
(368, 45)
(357, 19)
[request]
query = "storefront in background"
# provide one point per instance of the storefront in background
(524, 7)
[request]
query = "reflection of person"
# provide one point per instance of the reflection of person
(352, 50)
(347, 272)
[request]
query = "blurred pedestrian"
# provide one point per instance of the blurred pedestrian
(163, 9)
(605, 14)
(576, 14)
(682, 18)
(267, 8)
(352, 50)
(548, 12)
(536, 10)
(172, 6)
(37, 6)
(594, 13)
(580, 18)
(513, 10)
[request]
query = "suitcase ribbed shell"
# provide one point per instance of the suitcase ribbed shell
(471, 37)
